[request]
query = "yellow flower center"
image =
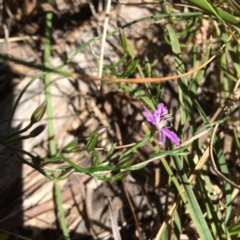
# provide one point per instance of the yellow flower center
(160, 125)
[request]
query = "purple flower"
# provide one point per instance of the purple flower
(159, 119)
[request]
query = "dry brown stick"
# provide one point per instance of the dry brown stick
(100, 65)
(139, 80)
(144, 80)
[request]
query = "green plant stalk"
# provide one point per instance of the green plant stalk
(17, 139)
(236, 140)
(58, 196)
(112, 66)
(19, 132)
(194, 85)
(52, 144)
(206, 191)
(221, 162)
(235, 229)
(205, 188)
(185, 101)
(31, 165)
(19, 98)
(177, 225)
(208, 197)
(21, 151)
(185, 112)
(234, 5)
(168, 168)
(219, 219)
(192, 204)
(79, 169)
(47, 59)
(130, 51)
(56, 70)
(217, 12)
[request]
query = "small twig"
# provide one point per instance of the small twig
(6, 34)
(152, 80)
(144, 2)
(100, 66)
(21, 38)
(116, 233)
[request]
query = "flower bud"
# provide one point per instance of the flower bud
(74, 149)
(92, 142)
(36, 131)
(121, 175)
(117, 176)
(38, 113)
(92, 139)
(123, 40)
(130, 69)
(99, 131)
(148, 67)
(127, 161)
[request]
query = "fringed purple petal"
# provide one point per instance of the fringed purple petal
(161, 137)
(171, 135)
(161, 109)
(149, 116)
(159, 119)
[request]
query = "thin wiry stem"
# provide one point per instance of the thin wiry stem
(100, 66)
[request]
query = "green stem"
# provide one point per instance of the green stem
(79, 169)
(22, 151)
(31, 165)
(217, 12)
(20, 131)
(52, 144)
(47, 64)
(56, 70)
(192, 204)
(17, 139)
(58, 196)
